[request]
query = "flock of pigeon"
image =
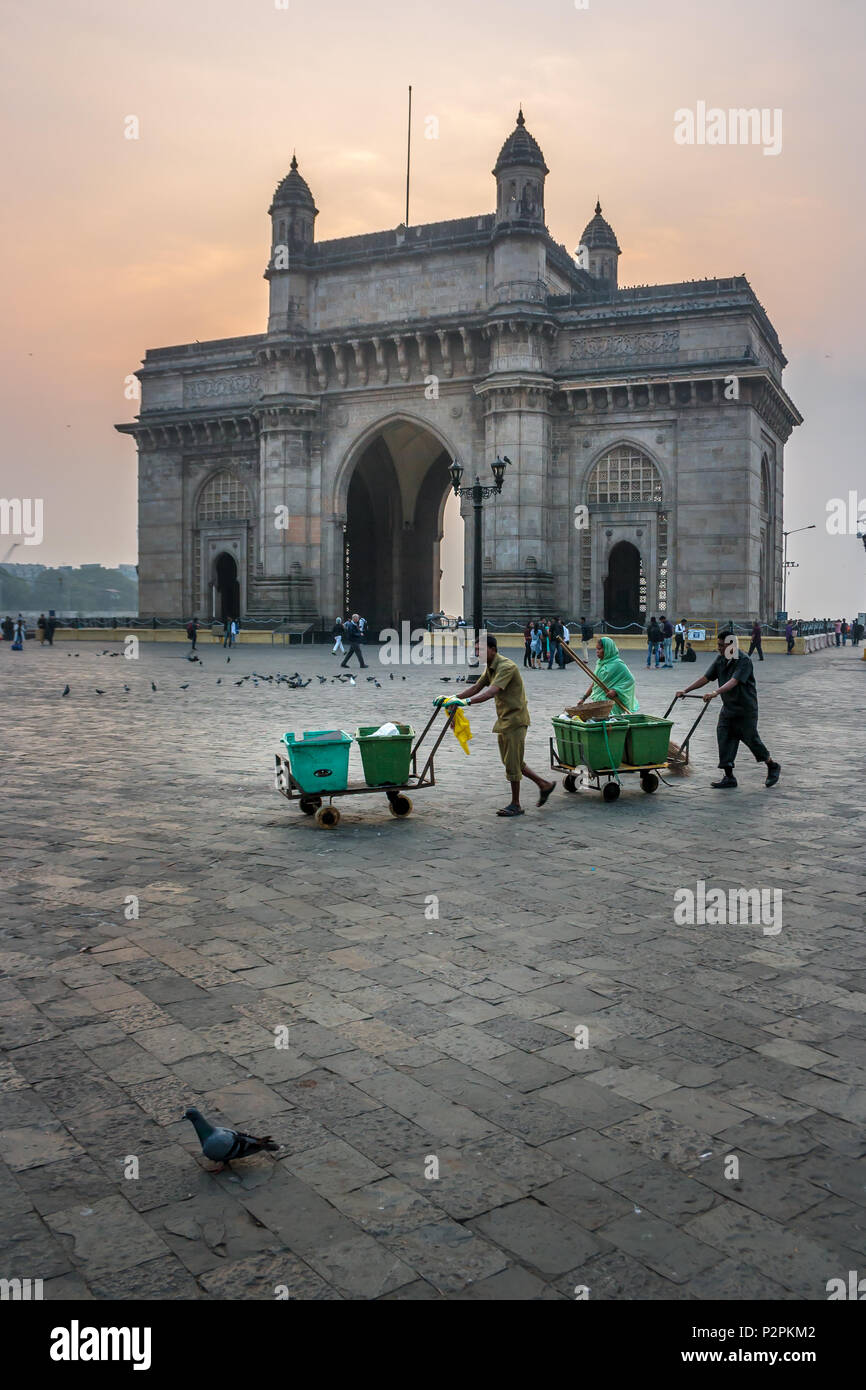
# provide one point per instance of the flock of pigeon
(294, 682)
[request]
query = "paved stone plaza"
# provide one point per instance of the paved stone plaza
(413, 1037)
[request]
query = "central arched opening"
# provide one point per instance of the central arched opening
(622, 586)
(403, 545)
(227, 586)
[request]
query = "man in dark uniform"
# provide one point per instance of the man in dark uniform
(738, 721)
(502, 681)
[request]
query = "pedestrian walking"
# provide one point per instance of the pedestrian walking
(738, 720)
(527, 643)
(757, 638)
(227, 632)
(337, 634)
(19, 635)
(536, 645)
(501, 681)
(856, 632)
(654, 641)
(8, 629)
(667, 638)
(192, 632)
(354, 635)
(40, 628)
(837, 628)
(50, 626)
(845, 632)
(562, 655)
(789, 636)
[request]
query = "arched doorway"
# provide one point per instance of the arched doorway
(228, 588)
(622, 586)
(395, 519)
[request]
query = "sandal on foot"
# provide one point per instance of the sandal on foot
(545, 794)
(510, 810)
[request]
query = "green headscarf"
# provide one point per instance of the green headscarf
(613, 671)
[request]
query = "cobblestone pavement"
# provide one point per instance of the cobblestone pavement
(412, 1036)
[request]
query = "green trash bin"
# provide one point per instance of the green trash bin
(602, 743)
(567, 735)
(386, 760)
(319, 760)
(648, 739)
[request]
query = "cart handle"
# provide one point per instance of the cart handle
(705, 704)
(674, 700)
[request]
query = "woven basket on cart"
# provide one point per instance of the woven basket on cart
(593, 709)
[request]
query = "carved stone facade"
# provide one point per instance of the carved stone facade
(303, 471)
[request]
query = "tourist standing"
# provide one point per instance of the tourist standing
(192, 632)
(227, 632)
(352, 631)
(19, 635)
(668, 637)
(535, 645)
(40, 628)
(680, 638)
(527, 644)
(555, 635)
(789, 636)
(837, 628)
(585, 637)
(757, 638)
(844, 632)
(501, 681)
(738, 720)
(50, 626)
(654, 639)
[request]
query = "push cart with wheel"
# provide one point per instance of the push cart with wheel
(321, 804)
(604, 768)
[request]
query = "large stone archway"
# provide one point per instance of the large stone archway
(392, 494)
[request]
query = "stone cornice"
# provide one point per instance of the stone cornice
(192, 430)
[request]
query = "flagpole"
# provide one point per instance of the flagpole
(408, 155)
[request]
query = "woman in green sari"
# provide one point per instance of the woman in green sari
(611, 669)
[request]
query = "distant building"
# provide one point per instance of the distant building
(303, 471)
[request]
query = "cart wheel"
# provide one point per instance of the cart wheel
(569, 783)
(399, 805)
(310, 804)
(610, 791)
(649, 781)
(328, 817)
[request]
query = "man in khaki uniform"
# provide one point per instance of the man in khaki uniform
(501, 681)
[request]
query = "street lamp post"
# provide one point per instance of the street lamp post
(785, 535)
(478, 492)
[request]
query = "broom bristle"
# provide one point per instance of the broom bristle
(677, 761)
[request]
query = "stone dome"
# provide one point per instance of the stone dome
(598, 235)
(520, 149)
(294, 191)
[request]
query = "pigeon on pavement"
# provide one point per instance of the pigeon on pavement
(153, 685)
(64, 692)
(185, 687)
(223, 1145)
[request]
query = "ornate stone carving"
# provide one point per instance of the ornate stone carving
(360, 360)
(207, 387)
(597, 345)
(381, 360)
(445, 346)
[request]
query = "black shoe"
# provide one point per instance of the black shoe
(774, 771)
(727, 781)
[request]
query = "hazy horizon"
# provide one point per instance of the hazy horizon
(114, 246)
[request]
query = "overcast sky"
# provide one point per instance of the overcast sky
(112, 246)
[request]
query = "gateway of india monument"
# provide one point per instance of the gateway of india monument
(302, 472)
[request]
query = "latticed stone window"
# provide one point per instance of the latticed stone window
(624, 474)
(663, 561)
(223, 498)
(586, 573)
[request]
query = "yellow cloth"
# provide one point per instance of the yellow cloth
(462, 731)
